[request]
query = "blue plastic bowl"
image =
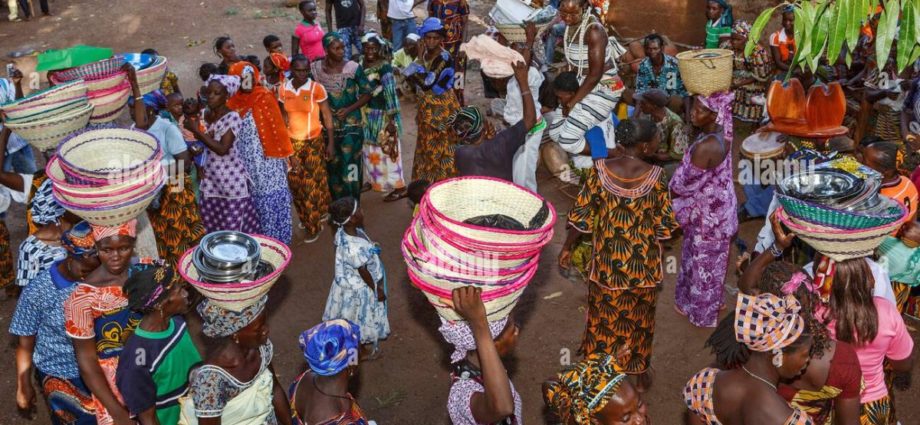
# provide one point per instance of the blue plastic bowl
(139, 60)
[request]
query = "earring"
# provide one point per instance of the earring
(777, 358)
(236, 339)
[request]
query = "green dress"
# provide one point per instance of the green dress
(346, 170)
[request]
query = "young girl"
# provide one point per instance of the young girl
(359, 289)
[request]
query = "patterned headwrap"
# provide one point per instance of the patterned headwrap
(79, 240)
(230, 82)
(218, 322)
(721, 104)
(727, 19)
(128, 228)
(45, 209)
(281, 61)
(585, 389)
(330, 37)
(154, 100)
(767, 322)
(742, 28)
(376, 38)
(330, 346)
(148, 285)
(263, 105)
(460, 336)
(472, 115)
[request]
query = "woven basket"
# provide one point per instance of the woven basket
(496, 308)
(841, 245)
(46, 134)
(98, 153)
(238, 296)
(91, 71)
(448, 203)
(517, 33)
(139, 190)
(825, 216)
(151, 78)
(119, 185)
(109, 103)
(439, 255)
(112, 215)
(706, 71)
(48, 96)
(115, 80)
(44, 112)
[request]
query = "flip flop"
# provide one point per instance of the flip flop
(396, 195)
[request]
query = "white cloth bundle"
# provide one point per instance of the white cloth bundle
(496, 59)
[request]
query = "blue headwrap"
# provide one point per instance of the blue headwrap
(727, 19)
(79, 241)
(429, 25)
(154, 100)
(331, 346)
(45, 209)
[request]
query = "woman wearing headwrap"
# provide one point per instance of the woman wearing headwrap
(346, 87)
(750, 76)
(261, 151)
(595, 391)
(276, 67)
(152, 383)
(382, 122)
(175, 220)
(226, 202)
(236, 384)
(719, 24)
(765, 340)
(481, 392)
(454, 15)
(705, 207)
(43, 248)
(44, 347)
(432, 73)
(331, 351)
(98, 321)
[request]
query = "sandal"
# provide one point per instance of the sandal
(396, 195)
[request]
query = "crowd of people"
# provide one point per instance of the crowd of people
(101, 310)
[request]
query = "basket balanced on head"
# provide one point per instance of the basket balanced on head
(443, 250)
(236, 296)
(45, 118)
(706, 71)
(107, 177)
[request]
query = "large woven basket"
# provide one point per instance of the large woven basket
(151, 78)
(471, 273)
(109, 103)
(119, 185)
(237, 296)
(44, 112)
(112, 215)
(706, 71)
(826, 216)
(840, 245)
(448, 203)
(91, 71)
(48, 96)
(99, 153)
(496, 308)
(517, 33)
(110, 82)
(46, 134)
(429, 247)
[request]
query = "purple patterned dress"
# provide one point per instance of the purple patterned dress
(225, 201)
(705, 207)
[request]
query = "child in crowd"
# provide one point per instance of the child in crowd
(359, 290)
(170, 82)
(308, 36)
(275, 66)
(402, 58)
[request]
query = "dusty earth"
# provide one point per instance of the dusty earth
(409, 383)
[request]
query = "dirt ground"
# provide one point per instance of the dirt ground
(409, 383)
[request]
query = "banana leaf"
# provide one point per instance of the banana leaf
(757, 30)
(838, 30)
(906, 34)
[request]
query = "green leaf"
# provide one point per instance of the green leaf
(887, 27)
(838, 30)
(801, 35)
(757, 30)
(853, 24)
(908, 28)
(819, 35)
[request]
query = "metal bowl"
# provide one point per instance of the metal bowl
(212, 275)
(823, 186)
(228, 250)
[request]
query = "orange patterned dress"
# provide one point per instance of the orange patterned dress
(625, 270)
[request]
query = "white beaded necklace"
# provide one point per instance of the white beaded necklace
(578, 55)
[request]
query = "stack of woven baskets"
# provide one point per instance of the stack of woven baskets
(47, 117)
(107, 177)
(236, 296)
(838, 213)
(442, 252)
(108, 86)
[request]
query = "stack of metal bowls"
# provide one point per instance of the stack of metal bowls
(228, 257)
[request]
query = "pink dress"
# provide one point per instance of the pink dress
(705, 207)
(311, 40)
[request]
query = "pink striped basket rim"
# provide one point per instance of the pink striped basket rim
(154, 190)
(72, 142)
(458, 240)
(419, 282)
(266, 242)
